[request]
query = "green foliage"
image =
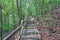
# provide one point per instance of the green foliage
(9, 14)
(26, 7)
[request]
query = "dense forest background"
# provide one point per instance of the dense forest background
(13, 11)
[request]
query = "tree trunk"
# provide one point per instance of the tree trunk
(1, 19)
(19, 10)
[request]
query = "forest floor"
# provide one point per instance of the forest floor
(51, 32)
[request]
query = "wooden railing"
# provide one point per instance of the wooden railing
(16, 34)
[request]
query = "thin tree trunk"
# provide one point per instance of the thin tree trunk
(18, 9)
(1, 19)
(13, 12)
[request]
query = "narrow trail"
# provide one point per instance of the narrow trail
(30, 32)
(37, 31)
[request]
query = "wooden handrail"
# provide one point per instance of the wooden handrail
(14, 30)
